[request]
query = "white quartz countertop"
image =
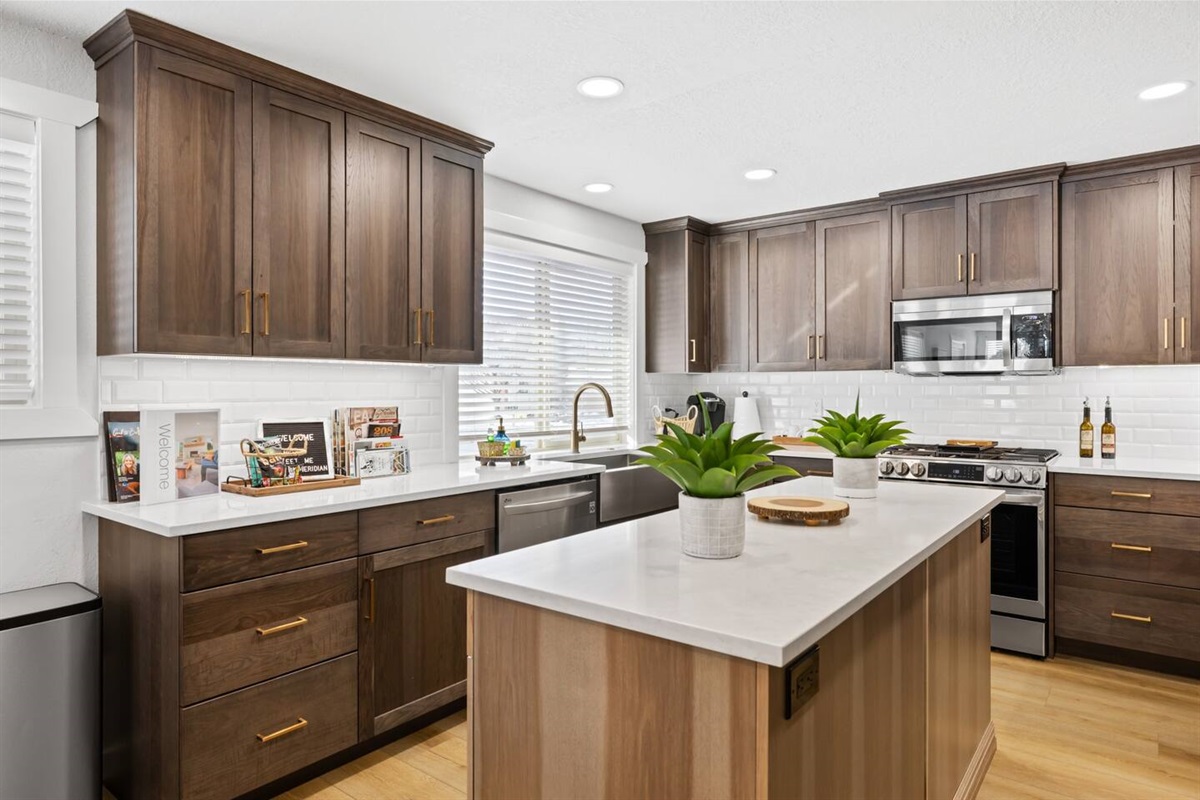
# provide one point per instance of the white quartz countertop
(791, 586)
(226, 510)
(1126, 467)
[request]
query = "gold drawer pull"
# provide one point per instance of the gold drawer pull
(1137, 548)
(1143, 495)
(827, 473)
(436, 520)
(299, 724)
(1130, 617)
(283, 548)
(287, 626)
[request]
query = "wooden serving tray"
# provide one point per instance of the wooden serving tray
(242, 486)
(793, 441)
(491, 461)
(982, 443)
(809, 510)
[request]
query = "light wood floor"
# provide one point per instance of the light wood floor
(1067, 728)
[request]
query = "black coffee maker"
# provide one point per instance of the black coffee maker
(716, 410)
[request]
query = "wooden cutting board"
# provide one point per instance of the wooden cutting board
(809, 510)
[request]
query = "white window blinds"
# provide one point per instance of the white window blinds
(549, 327)
(18, 259)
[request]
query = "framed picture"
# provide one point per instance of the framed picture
(123, 455)
(317, 464)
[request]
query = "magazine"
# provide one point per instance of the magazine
(180, 453)
(122, 446)
(355, 424)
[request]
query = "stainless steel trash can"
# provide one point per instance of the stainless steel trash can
(50, 693)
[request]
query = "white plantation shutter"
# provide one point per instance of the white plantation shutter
(549, 327)
(18, 260)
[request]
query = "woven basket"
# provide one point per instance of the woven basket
(687, 423)
(491, 449)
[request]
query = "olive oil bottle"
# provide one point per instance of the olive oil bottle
(1108, 433)
(1087, 433)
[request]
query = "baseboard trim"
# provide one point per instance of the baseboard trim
(977, 769)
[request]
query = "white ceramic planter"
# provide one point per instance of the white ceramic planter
(712, 528)
(855, 477)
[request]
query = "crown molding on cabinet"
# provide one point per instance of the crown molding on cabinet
(131, 26)
(1115, 166)
(800, 215)
(996, 180)
(677, 224)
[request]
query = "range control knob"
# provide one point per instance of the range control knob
(885, 467)
(917, 469)
(901, 468)
(994, 474)
(1012, 475)
(1032, 476)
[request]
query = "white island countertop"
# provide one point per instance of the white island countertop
(226, 510)
(1172, 469)
(791, 586)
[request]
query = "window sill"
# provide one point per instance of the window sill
(18, 424)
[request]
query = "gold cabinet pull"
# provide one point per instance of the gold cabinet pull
(417, 324)
(820, 346)
(287, 626)
(693, 343)
(436, 520)
(1130, 617)
(1183, 333)
(973, 267)
(960, 275)
(1137, 548)
(246, 312)
(283, 548)
(430, 316)
(370, 614)
(1166, 333)
(300, 724)
(1142, 495)
(266, 300)
(822, 473)
(808, 349)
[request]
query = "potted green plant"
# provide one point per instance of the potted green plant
(713, 471)
(854, 441)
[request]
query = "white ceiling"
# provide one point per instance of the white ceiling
(845, 99)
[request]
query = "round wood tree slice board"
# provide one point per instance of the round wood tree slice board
(809, 510)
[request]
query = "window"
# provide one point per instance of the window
(18, 261)
(549, 327)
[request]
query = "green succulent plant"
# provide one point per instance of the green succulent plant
(855, 436)
(714, 465)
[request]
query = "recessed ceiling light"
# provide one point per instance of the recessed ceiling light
(759, 174)
(1164, 90)
(598, 188)
(600, 86)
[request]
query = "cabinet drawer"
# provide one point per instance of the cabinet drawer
(1128, 494)
(233, 636)
(211, 559)
(302, 717)
(1155, 548)
(1156, 619)
(425, 520)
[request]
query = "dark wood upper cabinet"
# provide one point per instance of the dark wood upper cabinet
(1187, 263)
(451, 254)
(853, 299)
(191, 171)
(782, 294)
(299, 226)
(730, 284)
(1118, 269)
(929, 248)
(677, 299)
(383, 242)
(412, 631)
(1010, 239)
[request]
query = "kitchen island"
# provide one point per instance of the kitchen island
(841, 661)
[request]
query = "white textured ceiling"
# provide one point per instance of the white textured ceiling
(845, 99)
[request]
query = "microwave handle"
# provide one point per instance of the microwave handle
(1006, 338)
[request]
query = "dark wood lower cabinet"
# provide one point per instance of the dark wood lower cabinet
(412, 631)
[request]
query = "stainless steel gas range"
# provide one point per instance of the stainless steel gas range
(1019, 543)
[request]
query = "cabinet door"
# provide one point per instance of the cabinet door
(667, 346)
(729, 283)
(299, 226)
(413, 631)
(193, 207)
(1118, 275)
(451, 254)
(853, 293)
(929, 248)
(1010, 239)
(1187, 263)
(782, 290)
(697, 302)
(383, 242)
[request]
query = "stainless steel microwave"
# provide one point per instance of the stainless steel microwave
(995, 333)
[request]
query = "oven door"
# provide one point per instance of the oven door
(1019, 555)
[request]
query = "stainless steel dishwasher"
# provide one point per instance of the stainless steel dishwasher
(532, 516)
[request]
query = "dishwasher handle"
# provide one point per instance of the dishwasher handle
(548, 505)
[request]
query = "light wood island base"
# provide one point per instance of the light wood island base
(560, 707)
